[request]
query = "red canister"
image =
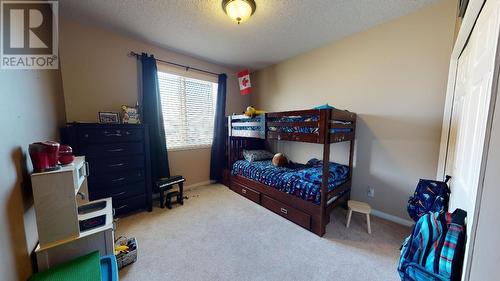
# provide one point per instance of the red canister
(44, 155)
(52, 150)
(66, 155)
(39, 157)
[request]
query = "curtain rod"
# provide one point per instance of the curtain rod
(187, 67)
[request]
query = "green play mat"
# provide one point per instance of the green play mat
(85, 268)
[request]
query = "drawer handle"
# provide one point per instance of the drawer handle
(109, 134)
(121, 207)
(116, 165)
(118, 194)
(244, 191)
(87, 169)
(82, 195)
(284, 211)
(118, 179)
(115, 150)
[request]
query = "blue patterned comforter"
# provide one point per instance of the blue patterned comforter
(296, 129)
(303, 181)
(309, 130)
(288, 129)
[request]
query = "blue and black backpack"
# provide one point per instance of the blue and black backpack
(430, 196)
(434, 250)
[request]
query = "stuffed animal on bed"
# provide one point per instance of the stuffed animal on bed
(251, 111)
(279, 160)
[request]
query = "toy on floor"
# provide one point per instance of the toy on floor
(125, 251)
(121, 248)
(251, 112)
(279, 160)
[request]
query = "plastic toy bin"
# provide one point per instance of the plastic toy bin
(109, 269)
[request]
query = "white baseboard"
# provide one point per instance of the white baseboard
(392, 218)
(188, 187)
(194, 185)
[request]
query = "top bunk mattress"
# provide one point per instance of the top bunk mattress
(302, 129)
(303, 181)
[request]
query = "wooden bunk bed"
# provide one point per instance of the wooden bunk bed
(322, 126)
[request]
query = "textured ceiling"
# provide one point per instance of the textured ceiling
(278, 30)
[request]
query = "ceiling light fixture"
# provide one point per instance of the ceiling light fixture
(239, 10)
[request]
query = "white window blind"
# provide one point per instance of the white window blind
(188, 107)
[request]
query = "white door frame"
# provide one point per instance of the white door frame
(472, 13)
(468, 23)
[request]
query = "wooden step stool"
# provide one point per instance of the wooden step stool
(359, 207)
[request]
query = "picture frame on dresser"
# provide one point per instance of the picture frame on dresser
(106, 117)
(119, 162)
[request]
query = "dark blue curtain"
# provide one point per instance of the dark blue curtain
(217, 158)
(153, 117)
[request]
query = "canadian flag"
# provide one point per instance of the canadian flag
(244, 81)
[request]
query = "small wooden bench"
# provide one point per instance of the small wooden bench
(359, 207)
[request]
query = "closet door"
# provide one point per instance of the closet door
(470, 110)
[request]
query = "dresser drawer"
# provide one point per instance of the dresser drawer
(117, 155)
(127, 205)
(114, 164)
(104, 135)
(111, 150)
(286, 211)
(119, 193)
(111, 180)
(246, 192)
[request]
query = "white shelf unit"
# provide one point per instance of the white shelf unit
(56, 201)
(97, 239)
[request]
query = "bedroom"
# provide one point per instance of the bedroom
(391, 64)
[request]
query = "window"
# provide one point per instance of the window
(188, 106)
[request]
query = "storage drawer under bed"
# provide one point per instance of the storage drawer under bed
(286, 211)
(246, 192)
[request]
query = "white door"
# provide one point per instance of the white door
(471, 103)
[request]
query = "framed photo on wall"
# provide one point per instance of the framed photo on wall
(109, 117)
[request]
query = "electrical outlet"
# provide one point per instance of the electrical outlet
(371, 191)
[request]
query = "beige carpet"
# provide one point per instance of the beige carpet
(219, 235)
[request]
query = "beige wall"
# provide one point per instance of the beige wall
(32, 110)
(394, 77)
(99, 76)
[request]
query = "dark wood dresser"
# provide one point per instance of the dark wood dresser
(118, 157)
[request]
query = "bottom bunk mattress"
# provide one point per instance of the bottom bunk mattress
(301, 180)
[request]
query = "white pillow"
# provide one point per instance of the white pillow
(257, 155)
